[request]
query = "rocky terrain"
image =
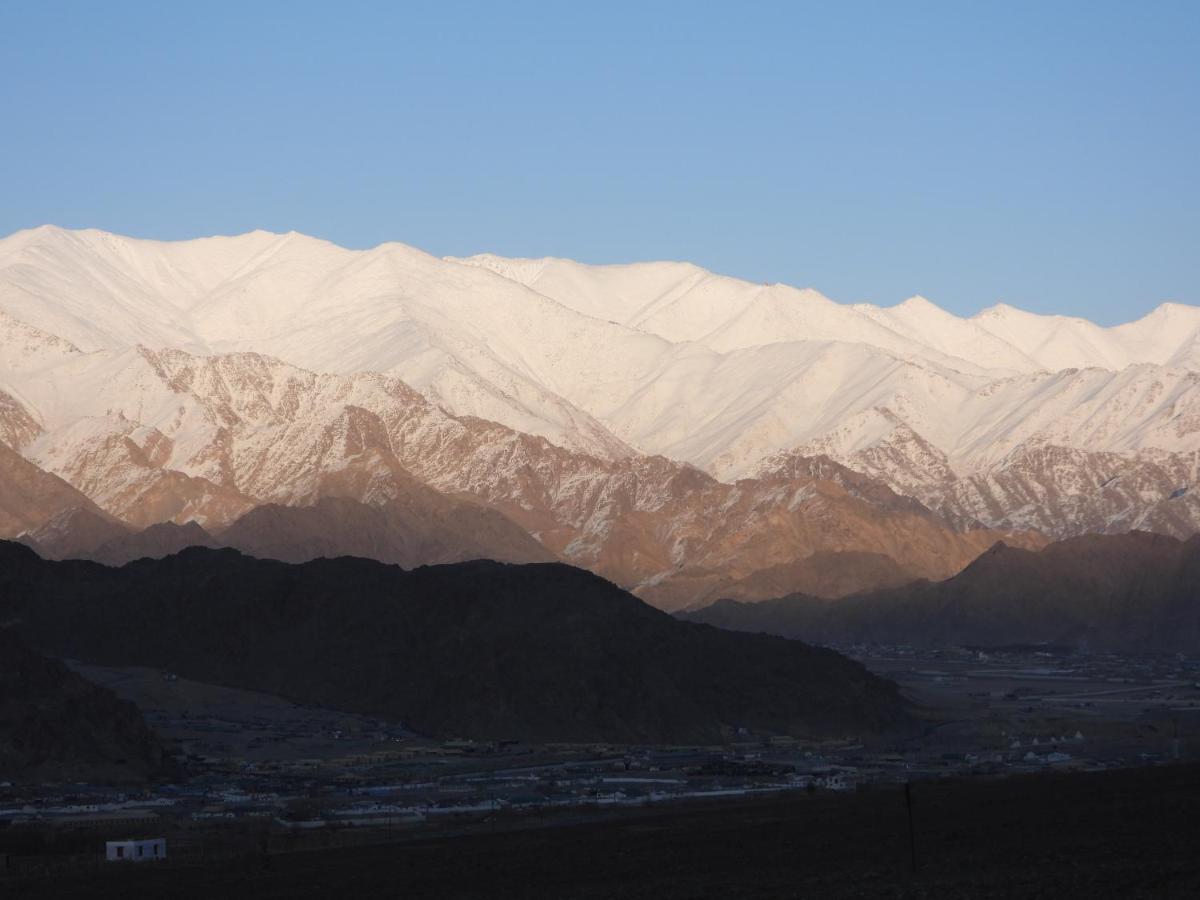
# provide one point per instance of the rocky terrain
(482, 650)
(31, 498)
(261, 432)
(1136, 592)
(684, 434)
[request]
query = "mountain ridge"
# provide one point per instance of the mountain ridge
(192, 381)
(539, 652)
(206, 439)
(1135, 592)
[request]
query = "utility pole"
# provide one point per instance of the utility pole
(912, 834)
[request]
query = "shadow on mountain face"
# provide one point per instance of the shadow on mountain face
(537, 652)
(1135, 592)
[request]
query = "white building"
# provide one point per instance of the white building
(135, 851)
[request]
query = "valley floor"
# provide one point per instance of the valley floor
(1124, 833)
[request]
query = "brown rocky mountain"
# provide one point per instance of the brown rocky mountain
(1136, 591)
(154, 542)
(75, 533)
(180, 382)
(826, 574)
(121, 466)
(1039, 485)
(753, 534)
(17, 426)
(249, 430)
(422, 528)
(31, 498)
(1063, 491)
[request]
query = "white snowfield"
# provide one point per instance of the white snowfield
(655, 358)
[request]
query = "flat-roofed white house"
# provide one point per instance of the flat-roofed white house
(135, 850)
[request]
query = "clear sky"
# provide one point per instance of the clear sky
(1045, 154)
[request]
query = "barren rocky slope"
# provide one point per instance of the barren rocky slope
(485, 650)
(226, 433)
(31, 498)
(1133, 592)
(644, 421)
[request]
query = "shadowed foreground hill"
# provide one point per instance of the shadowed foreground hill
(1136, 591)
(55, 725)
(481, 649)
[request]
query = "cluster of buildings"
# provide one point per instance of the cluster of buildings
(1022, 710)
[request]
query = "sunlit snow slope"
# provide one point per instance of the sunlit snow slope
(1009, 418)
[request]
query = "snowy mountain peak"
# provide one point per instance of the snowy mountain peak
(615, 411)
(917, 302)
(522, 271)
(995, 310)
(659, 357)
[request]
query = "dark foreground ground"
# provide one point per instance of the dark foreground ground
(1128, 833)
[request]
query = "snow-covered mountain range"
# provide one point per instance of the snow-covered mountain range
(656, 422)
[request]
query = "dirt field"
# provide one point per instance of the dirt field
(1129, 833)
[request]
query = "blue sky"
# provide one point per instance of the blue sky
(1044, 154)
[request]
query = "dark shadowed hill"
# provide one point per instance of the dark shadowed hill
(819, 575)
(55, 725)
(1135, 591)
(482, 649)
